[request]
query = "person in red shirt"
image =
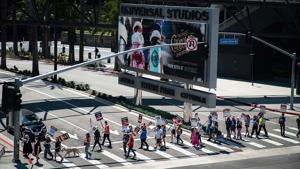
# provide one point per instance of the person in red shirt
(130, 146)
(106, 134)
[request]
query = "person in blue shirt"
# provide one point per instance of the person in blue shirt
(209, 127)
(143, 136)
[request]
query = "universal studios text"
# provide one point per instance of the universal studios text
(165, 12)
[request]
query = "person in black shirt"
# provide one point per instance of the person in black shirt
(37, 149)
(47, 146)
(281, 121)
(57, 149)
(97, 137)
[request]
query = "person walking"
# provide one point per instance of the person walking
(247, 124)
(158, 136)
(106, 134)
(126, 132)
(281, 122)
(27, 146)
(164, 133)
(209, 123)
(37, 150)
(130, 146)
(47, 146)
(143, 136)
(233, 127)
(254, 126)
(228, 123)
(87, 144)
(298, 125)
(97, 137)
(58, 149)
(173, 130)
(262, 124)
(195, 138)
(239, 126)
(178, 135)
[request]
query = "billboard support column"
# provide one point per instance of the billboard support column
(138, 93)
(187, 110)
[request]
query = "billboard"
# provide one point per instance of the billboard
(148, 25)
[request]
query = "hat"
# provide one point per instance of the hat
(155, 33)
(137, 23)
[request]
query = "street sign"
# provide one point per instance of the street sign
(191, 43)
(98, 116)
(229, 41)
(283, 108)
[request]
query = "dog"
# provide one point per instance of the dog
(69, 150)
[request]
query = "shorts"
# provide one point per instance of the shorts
(158, 141)
(173, 131)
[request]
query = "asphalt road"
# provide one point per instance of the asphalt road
(73, 112)
(274, 162)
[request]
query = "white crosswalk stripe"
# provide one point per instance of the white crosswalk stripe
(286, 132)
(272, 142)
(205, 150)
(293, 128)
(254, 144)
(181, 150)
(116, 158)
(284, 138)
(161, 153)
(67, 163)
(142, 157)
(97, 163)
(217, 146)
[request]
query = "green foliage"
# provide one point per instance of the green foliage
(109, 13)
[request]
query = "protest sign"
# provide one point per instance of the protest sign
(214, 115)
(226, 113)
(193, 122)
(98, 116)
(124, 121)
(283, 108)
(140, 118)
(63, 137)
(158, 120)
(52, 131)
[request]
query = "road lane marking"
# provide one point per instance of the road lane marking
(286, 132)
(181, 150)
(142, 157)
(218, 146)
(254, 144)
(116, 158)
(293, 128)
(284, 138)
(96, 163)
(161, 153)
(67, 163)
(68, 122)
(205, 150)
(272, 142)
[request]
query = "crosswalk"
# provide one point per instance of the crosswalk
(114, 157)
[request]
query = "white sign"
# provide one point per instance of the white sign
(191, 44)
(226, 113)
(283, 108)
(71, 135)
(193, 122)
(158, 120)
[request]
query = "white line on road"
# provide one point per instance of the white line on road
(217, 146)
(293, 128)
(117, 158)
(67, 163)
(161, 153)
(97, 163)
(205, 150)
(254, 144)
(272, 142)
(284, 138)
(286, 132)
(68, 122)
(181, 150)
(142, 157)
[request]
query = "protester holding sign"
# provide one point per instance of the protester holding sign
(228, 123)
(97, 137)
(58, 149)
(173, 130)
(178, 134)
(47, 146)
(130, 146)
(247, 124)
(254, 126)
(262, 124)
(164, 133)
(239, 126)
(106, 133)
(126, 132)
(158, 136)
(143, 136)
(233, 127)
(281, 121)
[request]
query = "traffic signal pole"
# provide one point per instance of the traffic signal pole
(16, 119)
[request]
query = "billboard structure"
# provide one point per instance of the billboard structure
(142, 25)
(145, 25)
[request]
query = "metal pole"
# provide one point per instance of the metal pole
(187, 110)
(16, 119)
(138, 93)
(293, 82)
(252, 68)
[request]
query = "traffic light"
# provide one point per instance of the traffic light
(248, 37)
(11, 98)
